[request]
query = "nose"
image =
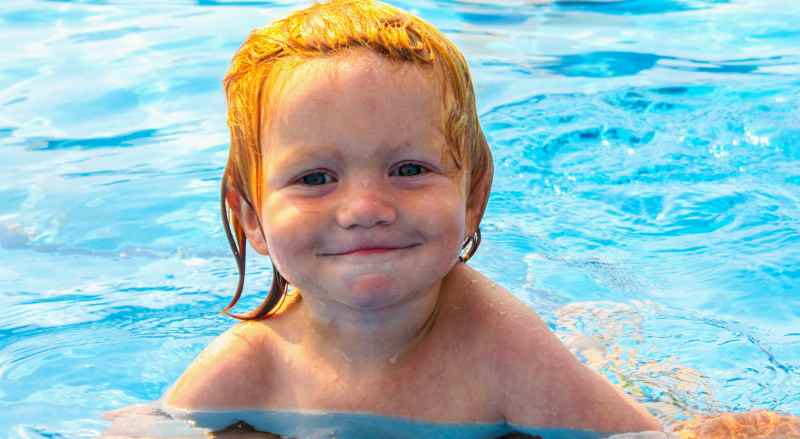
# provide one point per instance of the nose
(366, 204)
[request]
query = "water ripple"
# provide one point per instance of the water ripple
(699, 182)
(620, 340)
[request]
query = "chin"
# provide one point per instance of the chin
(376, 291)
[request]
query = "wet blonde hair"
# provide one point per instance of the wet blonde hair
(324, 30)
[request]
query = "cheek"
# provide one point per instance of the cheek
(444, 218)
(290, 232)
(455, 231)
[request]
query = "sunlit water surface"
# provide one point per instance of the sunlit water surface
(646, 198)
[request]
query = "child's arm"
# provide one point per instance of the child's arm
(228, 374)
(231, 372)
(544, 385)
(549, 386)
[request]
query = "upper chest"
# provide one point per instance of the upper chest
(434, 384)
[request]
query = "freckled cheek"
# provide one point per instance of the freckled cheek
(292, 234)
(444, 220)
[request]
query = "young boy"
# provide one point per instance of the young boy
(359, 167)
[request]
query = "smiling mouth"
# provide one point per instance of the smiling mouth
(366, 251)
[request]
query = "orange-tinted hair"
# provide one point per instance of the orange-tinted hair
(324, 30)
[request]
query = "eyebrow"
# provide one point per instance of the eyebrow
(326, 152)
(306, 152)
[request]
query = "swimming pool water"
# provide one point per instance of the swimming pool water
(645, 201)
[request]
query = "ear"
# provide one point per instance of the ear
(476, 204)
(245, 213)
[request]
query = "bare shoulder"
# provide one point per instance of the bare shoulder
(229, 373)
(539, 382)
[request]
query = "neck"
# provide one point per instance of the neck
(359, 340)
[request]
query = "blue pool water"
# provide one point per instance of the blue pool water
(646, 198)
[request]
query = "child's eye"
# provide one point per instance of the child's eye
(410, 170)
(316, 179)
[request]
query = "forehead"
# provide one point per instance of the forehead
(358, 96)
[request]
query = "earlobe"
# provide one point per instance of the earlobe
(471, 223)
(245, 214)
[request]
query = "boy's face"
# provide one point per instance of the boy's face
(361, 207)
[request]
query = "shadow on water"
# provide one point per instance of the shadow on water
(236, 3)
(125, 140)
(603, 64)
(492, 13)
(636, 7)
(493, 19)
(608, 64)
(104, 35)
(198, 2)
